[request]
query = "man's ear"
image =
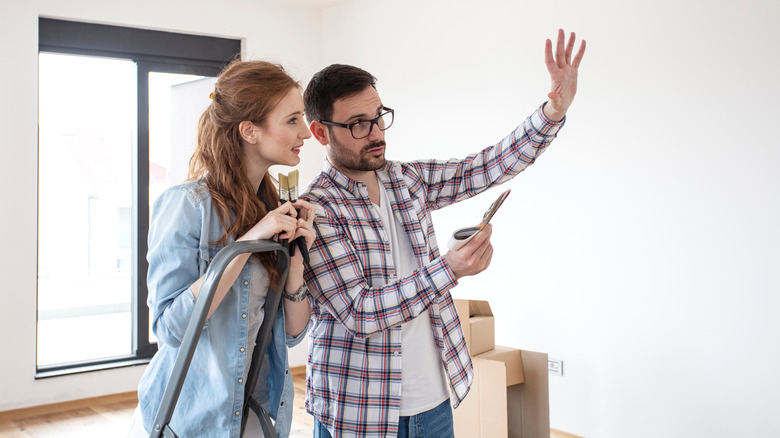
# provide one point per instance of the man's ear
(320, 132)
(248, 132)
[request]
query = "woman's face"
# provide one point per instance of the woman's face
(280, 137)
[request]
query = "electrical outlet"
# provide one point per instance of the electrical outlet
(554, 366)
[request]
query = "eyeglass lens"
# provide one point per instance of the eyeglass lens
(363, 128)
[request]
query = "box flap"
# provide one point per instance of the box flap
(479, 308)
(482, 329)
(512, 360)
(478, 324)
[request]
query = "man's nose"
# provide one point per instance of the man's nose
(376, 134)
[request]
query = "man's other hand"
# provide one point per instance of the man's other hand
(473, 257)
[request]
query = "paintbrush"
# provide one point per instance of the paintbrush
(288, 191)
(284, 195)
(292, 185)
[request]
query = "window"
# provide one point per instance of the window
(117, 114)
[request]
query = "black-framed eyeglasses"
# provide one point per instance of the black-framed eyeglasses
(362, 128)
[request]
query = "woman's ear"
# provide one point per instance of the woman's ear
(249, 132)
(320, 132)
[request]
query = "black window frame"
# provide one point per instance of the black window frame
(152, 51)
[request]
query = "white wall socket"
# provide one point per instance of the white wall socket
(554, 366)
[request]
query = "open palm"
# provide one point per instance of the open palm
(563, 74)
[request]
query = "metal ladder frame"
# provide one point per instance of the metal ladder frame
(214, 273)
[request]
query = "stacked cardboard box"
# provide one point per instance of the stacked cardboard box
(509, 396)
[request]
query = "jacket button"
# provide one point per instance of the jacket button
(243, 315)
(242, 349)
(238, 412)
(246, 282)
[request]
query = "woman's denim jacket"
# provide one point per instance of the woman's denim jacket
(183, 226)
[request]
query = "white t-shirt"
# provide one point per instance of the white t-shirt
(423, 383)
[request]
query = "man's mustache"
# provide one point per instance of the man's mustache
(373, 145)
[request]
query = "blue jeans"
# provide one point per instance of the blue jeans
(435, 423)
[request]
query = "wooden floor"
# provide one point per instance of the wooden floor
(111, 416)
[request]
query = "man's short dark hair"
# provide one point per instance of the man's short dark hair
(330, 84)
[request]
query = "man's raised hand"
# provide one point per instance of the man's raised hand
(563, 75)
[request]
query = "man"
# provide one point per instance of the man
(386, 346)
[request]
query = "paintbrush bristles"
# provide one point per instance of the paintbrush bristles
(292, 185)
(288, 186)
(292, 179)
(284, 188)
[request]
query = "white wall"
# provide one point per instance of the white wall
(270, 30)
(642, 248)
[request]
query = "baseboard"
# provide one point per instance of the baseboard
(555, 433)
(299, 371)
(18, 414)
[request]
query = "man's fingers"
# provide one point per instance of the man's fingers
(578, 56)
(548, 57)
(488, 257)
(560, 58)
(570, 48)
(479, 239)
(483, 250)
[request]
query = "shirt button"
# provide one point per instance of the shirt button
(242, 349)
(396, 353)
(243, 315)
(246, 282)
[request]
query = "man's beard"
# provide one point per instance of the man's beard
(342, 158)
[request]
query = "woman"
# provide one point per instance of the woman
(255, 120)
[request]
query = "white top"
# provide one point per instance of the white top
(423, 380)
(257, 295)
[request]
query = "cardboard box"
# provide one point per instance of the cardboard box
(478, 325)
(509, 397)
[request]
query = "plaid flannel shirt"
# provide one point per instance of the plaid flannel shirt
(353, 381)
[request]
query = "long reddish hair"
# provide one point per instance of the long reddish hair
(245, 91)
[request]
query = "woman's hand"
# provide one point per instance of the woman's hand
(304, 228)
(283, 221)
(305, 225)
(296, 315)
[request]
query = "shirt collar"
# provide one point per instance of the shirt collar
(348, 183)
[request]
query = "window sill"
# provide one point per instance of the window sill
(77, 368)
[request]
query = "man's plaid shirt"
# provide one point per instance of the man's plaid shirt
(353, 377)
